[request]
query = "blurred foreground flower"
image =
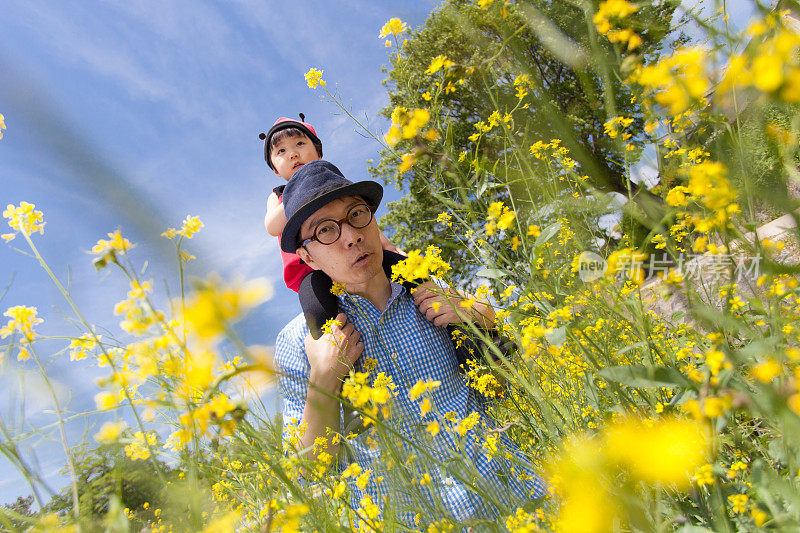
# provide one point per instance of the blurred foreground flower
(110, 431)
(213, 306)
(656, 452)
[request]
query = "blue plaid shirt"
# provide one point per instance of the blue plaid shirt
(404, 345)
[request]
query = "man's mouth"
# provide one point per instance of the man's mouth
(361, 259)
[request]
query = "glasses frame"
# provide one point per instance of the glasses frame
(339, 225)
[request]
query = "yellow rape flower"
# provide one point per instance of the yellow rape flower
(314, 78)
(23, 218)
(110, 431)
(666, 451)
(738, 503)
(704, 476)
(423, 386)
(213, 305)
(80, 347)
(2, 124)
(766, 371)
(191, 225)
(395, 26)
(22, 319)
(437, 63)
(116, 243)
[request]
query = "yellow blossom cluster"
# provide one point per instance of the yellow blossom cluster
(394, 26)
(139, 447)
(494, 120)
(499, 218)
(23, 218)
(614, 126)
(710, 187)
(438, 63)
(190, 226)
(629, 262)
(418, 267)
(369, 399)
(773, 66)
(314, 78)
(213, 305)
(665, 451)
(22, 319)
(107, 250)
(406, 124)
(609, 15)
(679, 81)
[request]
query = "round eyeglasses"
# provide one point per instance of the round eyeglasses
(328, 231)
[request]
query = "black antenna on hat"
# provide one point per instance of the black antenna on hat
(262, 135)
(302, 117)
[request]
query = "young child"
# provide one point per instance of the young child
(289, 145)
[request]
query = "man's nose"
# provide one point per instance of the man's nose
(350, 235)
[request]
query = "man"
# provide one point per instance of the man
(385, 330)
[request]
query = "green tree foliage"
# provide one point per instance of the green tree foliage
(13, 516)
(571, 90)
(106, 472)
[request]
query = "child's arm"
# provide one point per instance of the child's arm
(275, 220)
(386, 245)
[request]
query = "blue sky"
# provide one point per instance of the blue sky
(133, 115)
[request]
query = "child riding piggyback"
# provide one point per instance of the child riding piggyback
(289, 145)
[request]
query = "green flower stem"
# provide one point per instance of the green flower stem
(85, 323)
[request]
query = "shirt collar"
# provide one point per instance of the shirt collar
(353, 299)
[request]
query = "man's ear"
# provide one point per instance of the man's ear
(304, 255)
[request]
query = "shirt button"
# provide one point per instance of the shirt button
(394, 356)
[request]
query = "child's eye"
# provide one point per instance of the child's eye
(300, 143)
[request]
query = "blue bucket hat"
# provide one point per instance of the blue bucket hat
(314, 185)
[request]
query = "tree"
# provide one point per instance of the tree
(106, 471)
(538, 61)
(13, 515)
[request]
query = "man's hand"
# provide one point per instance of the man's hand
(442, 306)
(332, 355)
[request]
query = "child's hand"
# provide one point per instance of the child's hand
(333, 355)
(438, 304)
(444, 306)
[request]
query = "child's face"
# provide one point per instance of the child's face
(291, 153)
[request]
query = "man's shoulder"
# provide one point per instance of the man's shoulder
(296, 330)
(290, 345)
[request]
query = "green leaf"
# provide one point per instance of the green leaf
(644, 377)
(493, 273)
(547, 233)
(557, 337)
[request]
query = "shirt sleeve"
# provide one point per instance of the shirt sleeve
(291, 363)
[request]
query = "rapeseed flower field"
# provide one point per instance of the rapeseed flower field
(641, 414)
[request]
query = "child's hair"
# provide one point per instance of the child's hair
(293, 132)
